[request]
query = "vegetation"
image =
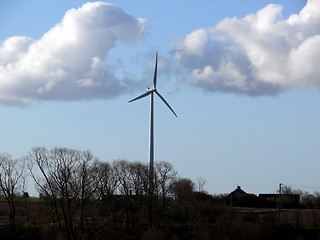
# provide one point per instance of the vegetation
(81, 197)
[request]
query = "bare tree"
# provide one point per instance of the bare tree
(165, 178)
(122, 171)
(58, 168)
(11, 172)
(86, 181)
(200, 184)
(40, 169)
(107, 180)
(139, 178)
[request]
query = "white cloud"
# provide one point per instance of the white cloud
(259, 54)
(67, 62)
(193, 44)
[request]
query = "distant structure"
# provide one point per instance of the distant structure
(238, 191)
(151, 91)
(286, 200)
(240, 198)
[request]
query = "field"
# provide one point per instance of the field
(181, 220)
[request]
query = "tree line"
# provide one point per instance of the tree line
(78, 192)
(81, 197)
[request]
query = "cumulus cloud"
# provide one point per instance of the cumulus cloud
(260, 54)
(68, 62)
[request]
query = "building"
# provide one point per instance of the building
(282, 201)
(239, 198)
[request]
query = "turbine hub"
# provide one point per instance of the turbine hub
(150, 89)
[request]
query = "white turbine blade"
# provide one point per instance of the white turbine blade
(155, 73)
(166, 103)
(141, 96)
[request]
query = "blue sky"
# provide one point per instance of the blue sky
(242, 76)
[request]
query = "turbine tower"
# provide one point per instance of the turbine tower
(151, 91)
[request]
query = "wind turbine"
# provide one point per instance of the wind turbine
(151, 91)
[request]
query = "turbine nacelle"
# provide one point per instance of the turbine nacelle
(150, 89)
